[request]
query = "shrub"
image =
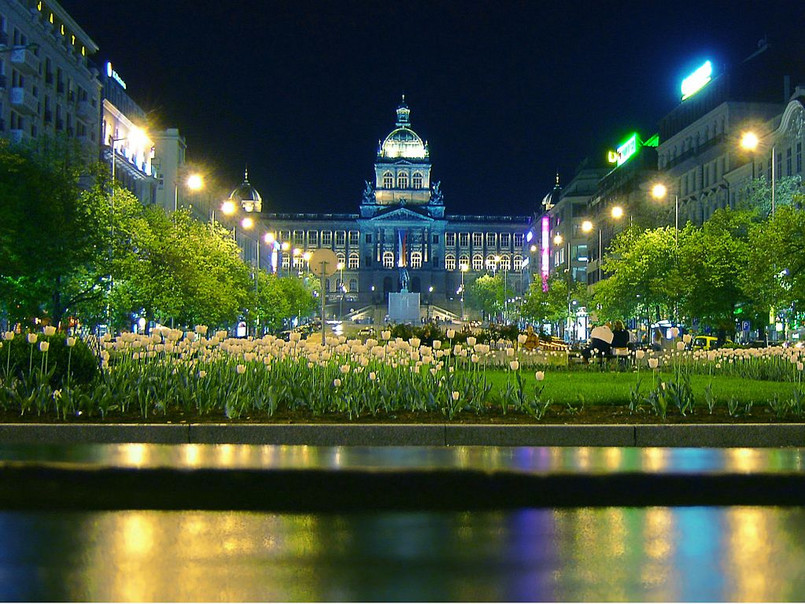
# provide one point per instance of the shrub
(83, 363)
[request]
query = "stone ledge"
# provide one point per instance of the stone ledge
(676, 435)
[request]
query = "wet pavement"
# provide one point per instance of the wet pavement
(578, 554)
(143, 522)
(304, 478)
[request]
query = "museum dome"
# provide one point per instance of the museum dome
(246, 196)
(403, 142)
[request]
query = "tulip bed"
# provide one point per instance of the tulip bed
(172, 375)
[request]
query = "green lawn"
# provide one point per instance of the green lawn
(593, 387)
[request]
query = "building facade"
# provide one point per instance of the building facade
(401, 237)
(48, 84)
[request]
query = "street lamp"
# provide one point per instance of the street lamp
(659, 191)
(464, 268)
(340, 267)
(750, 142)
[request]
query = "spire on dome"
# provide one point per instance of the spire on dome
(403, 114)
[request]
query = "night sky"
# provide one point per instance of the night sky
(506, 93)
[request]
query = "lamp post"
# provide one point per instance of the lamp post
(340, 267)
(194, 182)
(750, 142)
(284, 247)
(660, 191)
(464, 269)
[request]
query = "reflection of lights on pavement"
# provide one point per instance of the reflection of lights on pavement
(192, 455)
(744, 460)
(655, 459)
(135, 454)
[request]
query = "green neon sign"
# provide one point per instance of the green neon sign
(627, 149)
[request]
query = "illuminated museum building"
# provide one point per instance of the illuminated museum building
(401, 228)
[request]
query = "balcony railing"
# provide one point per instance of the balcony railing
(25, 60)
(23, 101)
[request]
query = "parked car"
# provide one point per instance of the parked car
(708, 343)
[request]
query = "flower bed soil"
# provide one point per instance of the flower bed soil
(557, 414)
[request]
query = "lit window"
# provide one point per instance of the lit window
(402, 180)
(477, 262)
(388, 180)
(354, 261)
(416, 259)
(388, 260)
(417, 180)
(505, 262)
(518, 263)
(463, 260)
(340, 258)
(491, 264)
(450, 262)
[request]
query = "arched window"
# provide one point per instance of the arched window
(477, 262)
(463, 260)
(354, 261)
(491, 265)
(416, 259)
(402, 180)
(388, 259)
(518, 263)
(505, 262)
(449, 262)
(417, 180)
(340, 258)
(388, 180)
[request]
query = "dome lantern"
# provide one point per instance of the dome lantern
(246, 196)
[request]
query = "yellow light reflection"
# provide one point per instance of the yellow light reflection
(135, 454)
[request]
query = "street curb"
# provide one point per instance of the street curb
(688, 435)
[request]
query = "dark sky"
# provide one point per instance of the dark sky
(506, 92)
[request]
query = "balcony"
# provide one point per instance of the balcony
(25, 60)
(23, 101)
(84, 109)
(17, 136)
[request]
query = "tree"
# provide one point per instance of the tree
(711, 260)
(775, 275)
(279, 299)
(554, 305)
(644, 275)
(186, 272)
(53, 233)
(486, 294)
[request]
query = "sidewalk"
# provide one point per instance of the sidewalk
(341, 479)
(610, 435)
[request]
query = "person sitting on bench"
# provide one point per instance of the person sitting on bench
(600, 342)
